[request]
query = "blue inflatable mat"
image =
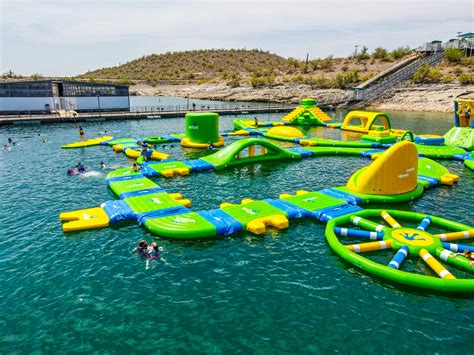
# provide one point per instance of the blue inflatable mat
(141, 192)
(123, 178)
(303, 152)
(370, 152)
(147, 171)
(291, 210)
(171, 211)
(432, 181)
(199, 165)
(351, 199)
(224, 223)
(117, 210)
(333, 212)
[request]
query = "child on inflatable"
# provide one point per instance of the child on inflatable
(135, 168)
(467, 254)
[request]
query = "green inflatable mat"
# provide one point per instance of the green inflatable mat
(469, 164)
(366, 198)
(323, 151)
(439, 151)
(322, 142)
(431, 168)
(250, 211)
(122, 172)
(313, 201)
(151, 202)
(121, 141)
(120, 187)
(183, 226)
(159, 167)
(161, 139)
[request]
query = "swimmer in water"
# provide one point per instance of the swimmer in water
(80, 168)
(142, 248)
(102, 165)
(153, 253)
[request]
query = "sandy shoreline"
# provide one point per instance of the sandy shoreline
(434, 97)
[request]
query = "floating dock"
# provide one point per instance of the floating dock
(127, 115)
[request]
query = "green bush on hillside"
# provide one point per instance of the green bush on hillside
(363, 54)
(259, 81)
(453, 55)
(380, 53)
(400, 52)
(466, 79)
(426, 74)
(343, 81)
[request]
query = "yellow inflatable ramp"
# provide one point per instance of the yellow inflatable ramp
(84, 219)
(320, 114)
(88, 142)
(394, 172)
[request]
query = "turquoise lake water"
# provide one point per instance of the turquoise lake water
(279, 293)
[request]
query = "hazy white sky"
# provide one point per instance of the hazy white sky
(69, 37)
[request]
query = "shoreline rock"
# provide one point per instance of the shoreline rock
(433, 97)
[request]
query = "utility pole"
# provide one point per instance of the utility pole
(306, 64)
(459, 39)
(355, 53)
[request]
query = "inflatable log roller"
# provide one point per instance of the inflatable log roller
(202, 130)
(405, 242)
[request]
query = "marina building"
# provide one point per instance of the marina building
(46, 96)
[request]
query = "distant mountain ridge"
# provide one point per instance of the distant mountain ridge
(196, 65)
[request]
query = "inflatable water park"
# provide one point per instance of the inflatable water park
(398, 246)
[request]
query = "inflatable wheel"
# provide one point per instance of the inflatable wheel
(421, 250)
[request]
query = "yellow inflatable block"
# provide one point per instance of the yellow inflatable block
(175, 171)
(449, 179)
(185, 202)
(258, 226)
(117, 148)
(131, 153)
(186, 142)
(305, 142)
(240, 132)
(394, 172)
(375, 133)
(285, 131)
(84, 219)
